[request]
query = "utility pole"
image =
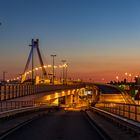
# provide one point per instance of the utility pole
(53, 55)
(63, 61)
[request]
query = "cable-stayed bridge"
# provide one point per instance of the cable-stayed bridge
(39, 108)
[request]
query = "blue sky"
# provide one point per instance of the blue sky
(98, 38)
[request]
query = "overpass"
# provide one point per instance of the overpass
(81, 94)
(101, 99)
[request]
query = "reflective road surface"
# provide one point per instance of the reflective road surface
(60, 125)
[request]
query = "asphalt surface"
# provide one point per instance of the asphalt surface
(108, 89)
(57, 126)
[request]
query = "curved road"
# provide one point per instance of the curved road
(108, 89)
(57, 126)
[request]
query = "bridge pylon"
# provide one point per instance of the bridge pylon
(34, 46)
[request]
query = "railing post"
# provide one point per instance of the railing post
(29, 89)
(18, 104)
(11, 105)
(123, 110)
(12, 92)
(18, 90)
(21, 88)
(4, 92)
(35, 89)
(25, 90)
(129, 111)
(15, 105)
(136, 112)
(8, 92)
(6, 106)
(119, 110)
(0, 106)
(0, 93)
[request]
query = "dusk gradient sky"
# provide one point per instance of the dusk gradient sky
(100, 39)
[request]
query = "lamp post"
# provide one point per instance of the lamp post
(126, 74)
(63, 61)
(130, 75)
(117, 78)
(66, 72)
(53, 55)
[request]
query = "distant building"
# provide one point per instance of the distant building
(137, 80)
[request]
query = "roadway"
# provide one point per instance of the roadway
(108, 89)
(61, 125)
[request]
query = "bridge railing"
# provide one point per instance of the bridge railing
(11, 105)
(129, 111)
(11, 108)
(8, 92)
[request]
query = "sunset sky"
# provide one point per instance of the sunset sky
(100, 39)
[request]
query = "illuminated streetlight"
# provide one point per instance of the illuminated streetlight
(117, 77)
(130, 77)
(66, 66)
(126, 73)
(49, 66)
(63, 61)
(102, 79)
(45, 66)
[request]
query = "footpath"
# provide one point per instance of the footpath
(113, 131)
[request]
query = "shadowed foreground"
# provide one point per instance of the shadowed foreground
(57, 126)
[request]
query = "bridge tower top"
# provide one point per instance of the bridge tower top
(34, 46)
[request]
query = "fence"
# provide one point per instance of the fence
(11, 105)
(8, 92)
(130, 111)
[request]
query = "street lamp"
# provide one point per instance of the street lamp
(130, 75)
(117, 77)
(66, 66)
(63, 61)
(53, 55)
(125, 79)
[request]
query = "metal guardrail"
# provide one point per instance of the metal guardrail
(8, 92)
(11, 105)
(120, 121)
(129, 111)
(8, 108)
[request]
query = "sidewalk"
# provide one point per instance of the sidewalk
(116, 133)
